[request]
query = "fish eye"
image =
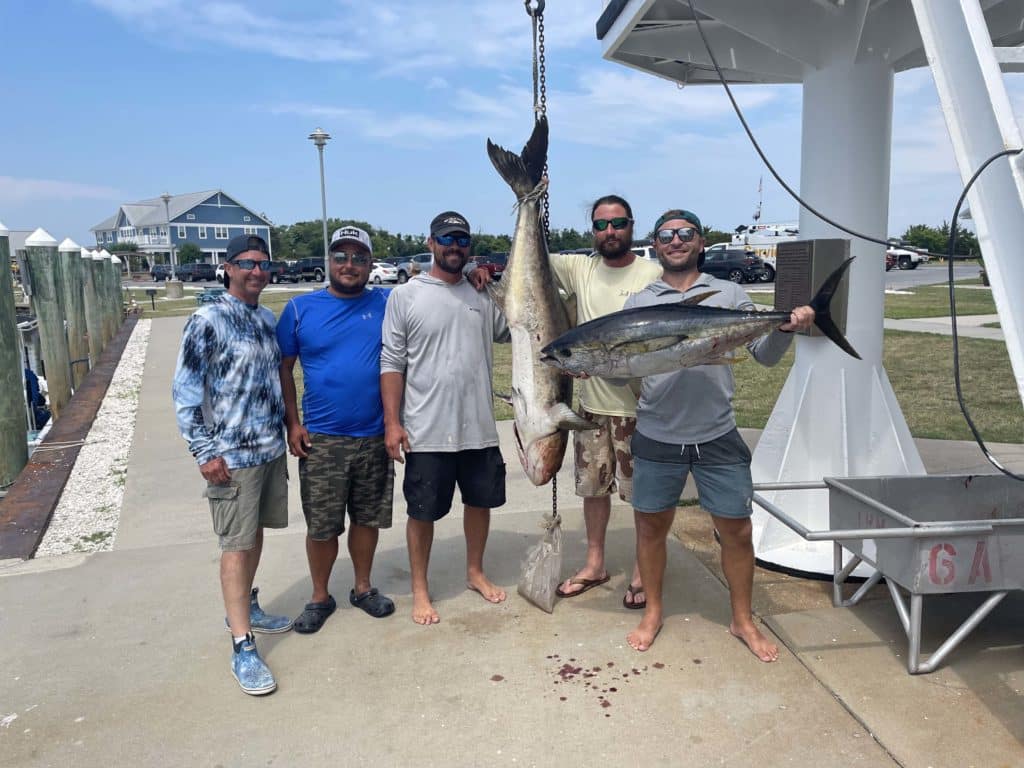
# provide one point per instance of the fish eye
(566, 352)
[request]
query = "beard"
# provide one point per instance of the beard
(688, 264)
(616, 249)
(347, 290)
(445, 266)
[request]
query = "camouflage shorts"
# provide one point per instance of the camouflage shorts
(603, 458)
(345, 473)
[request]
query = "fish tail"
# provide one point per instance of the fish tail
(823, 317)
(523, 172)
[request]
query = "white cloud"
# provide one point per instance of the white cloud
(18, 190)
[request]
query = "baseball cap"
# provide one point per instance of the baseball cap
(448, 222)
(239, 244)
(351, 235)
(680, 213)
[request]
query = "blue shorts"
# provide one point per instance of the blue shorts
(725, 487)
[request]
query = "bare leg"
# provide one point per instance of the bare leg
(651, 536)
(321, 556)
(362, 544)
(237, 571)
(597, 511)
(419, 537)
(476, 524)
(738, 566)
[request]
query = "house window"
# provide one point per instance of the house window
(190, 216)
(221, 233)
(110, 237)
(182, 233)
(247, 218)
(202, 233)
(251, 230)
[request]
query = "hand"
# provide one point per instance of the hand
(216, 471)
(298, 441)
(800, 319)
(577, 374)
(396, 441)
(479, 278)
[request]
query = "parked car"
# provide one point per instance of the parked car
(160, 272)
(311, 268)
(734, 264)
(890, 260)
(645, 252)
(220, 273)
(494, 263)
(906, 258)
(196, 271)
(413, 265)
(383, 273)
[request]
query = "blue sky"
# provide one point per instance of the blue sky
(110, 101)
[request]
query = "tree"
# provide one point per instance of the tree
(189, 253)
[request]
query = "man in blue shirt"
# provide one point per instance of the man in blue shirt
(227, 398)
(335, 334)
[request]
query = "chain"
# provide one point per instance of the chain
(540, 93)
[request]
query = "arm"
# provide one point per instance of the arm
(769, 349)
(393, 361)
(298, 435)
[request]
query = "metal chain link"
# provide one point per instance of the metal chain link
(545, 202)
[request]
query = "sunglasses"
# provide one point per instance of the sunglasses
(619, 222)
(358, 259)
(462, 241)
(263, 265)
(686, 234)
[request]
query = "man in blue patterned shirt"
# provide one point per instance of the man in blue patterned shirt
(227, 397)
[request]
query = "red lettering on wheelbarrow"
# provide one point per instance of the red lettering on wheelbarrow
(935, 563)
(980, 566)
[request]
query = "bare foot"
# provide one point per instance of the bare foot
(423, 610)
(584, 579)
(491, 592)
(642, 638)
(758, 644)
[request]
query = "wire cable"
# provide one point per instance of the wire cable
(948, 255)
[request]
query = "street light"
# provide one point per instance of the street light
(320, 137)
(170, 243)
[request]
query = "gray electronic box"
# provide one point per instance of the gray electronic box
(801, 266)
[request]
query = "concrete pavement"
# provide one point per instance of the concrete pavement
(121, 658)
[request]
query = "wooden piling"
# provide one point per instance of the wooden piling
(13, 413)
(68, 255)
(42, 256)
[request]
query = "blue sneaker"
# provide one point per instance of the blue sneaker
(253, 676)
(263, 622)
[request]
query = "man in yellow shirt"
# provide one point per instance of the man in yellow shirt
(600, 283)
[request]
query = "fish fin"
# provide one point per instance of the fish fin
(821, 302)
(566, 418)
(523, 172)
(497, 293)
(647, 345)
(503, 397)
(730, 358)
(692, 300)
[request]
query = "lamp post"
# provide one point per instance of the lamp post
(320, 137)
(170, 244)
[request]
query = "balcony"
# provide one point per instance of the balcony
(142, 240)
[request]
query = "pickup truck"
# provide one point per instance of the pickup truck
(195, 271)
(907, 259)
(308, 269)
(494, 263)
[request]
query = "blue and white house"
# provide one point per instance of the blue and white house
(207, 219)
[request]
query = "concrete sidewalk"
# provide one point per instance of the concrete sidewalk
(967, 326)
(121, 658)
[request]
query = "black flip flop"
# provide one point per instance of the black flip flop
(314, 615)
(373, 602)
(632, 591)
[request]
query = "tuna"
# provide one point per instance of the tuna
(528, 296)
(642, 341)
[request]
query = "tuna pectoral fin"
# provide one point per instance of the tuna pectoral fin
(566, 418)
(697, 299)
(821, 302)
(630, 348)
(728, 359)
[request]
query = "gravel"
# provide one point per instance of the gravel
(87, 515)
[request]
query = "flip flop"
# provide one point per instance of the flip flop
(587, 585)
(632, 591)
(314, 615)
(373, 602)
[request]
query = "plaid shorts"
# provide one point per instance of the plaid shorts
(352, 474)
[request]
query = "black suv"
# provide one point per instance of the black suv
(733, 264)
(195, 272)
(160, 272)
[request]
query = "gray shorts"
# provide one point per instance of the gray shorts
(256, 497)
(353, 474)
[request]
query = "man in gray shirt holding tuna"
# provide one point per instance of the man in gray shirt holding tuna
(435, 384)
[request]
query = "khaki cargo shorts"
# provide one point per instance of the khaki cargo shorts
(256, 497)
(604, 462)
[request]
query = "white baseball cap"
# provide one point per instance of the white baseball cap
(351, 235)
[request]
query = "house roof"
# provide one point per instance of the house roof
(151, 212)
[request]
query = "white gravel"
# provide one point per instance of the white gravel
(87, 515)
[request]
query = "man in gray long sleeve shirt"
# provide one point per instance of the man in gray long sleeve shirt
(685, 422)
(438, 331)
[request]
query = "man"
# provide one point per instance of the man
(603, 460)
(335, 334)
(227, 396)
(685, 422)
(436, 387)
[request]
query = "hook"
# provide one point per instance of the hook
(538, 11)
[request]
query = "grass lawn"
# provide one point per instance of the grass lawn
(925, 301)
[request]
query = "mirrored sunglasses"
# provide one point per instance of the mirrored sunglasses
(619, 222)
(358, 259)
(445, 240)
(686, 234)
(263, 265)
